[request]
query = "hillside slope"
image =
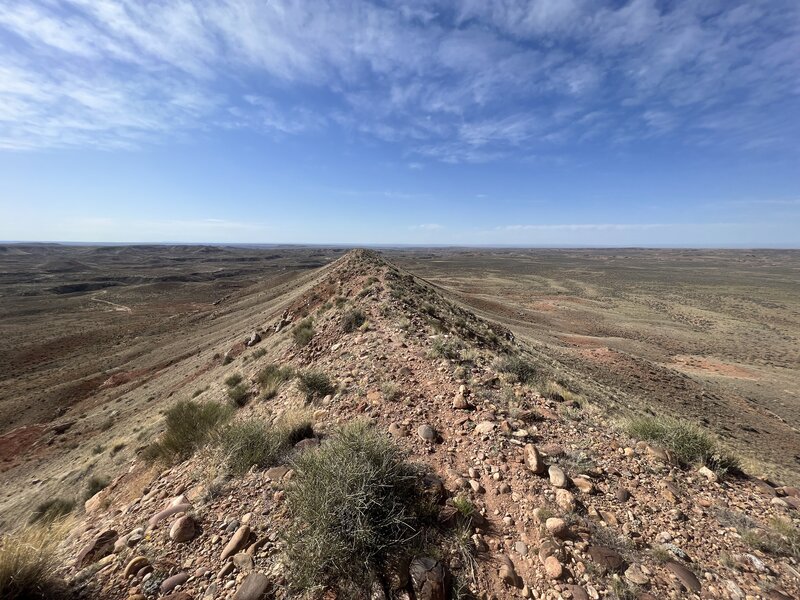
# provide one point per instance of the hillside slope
(534, 492)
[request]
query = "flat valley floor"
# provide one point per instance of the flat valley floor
(712, 336)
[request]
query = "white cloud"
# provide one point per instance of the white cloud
(470, 81)
(428, 226)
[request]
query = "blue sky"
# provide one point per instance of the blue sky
(541, 122)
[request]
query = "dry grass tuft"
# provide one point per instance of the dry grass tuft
(28, 561)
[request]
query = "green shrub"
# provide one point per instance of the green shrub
(270, 379)
(28, 561)
(51, 510)
(259, 353)
(446, 348)
(353, 503)
(688, 443)
(352, 320)
(189, 425)
(303, 332)
(315, 385)
(522, 370)
(227, 360)
(254, 443)
(94, 485)
(238, 394)
(233, 380)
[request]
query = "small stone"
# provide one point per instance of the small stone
(553, 568)
(237, 542)
(508, 573)
(243, 562)
(565, 500)
(635, 575)
(485, 427)
(521, 548)
(533, 460)
(584, 485)
(685, 576)
(557, 476)
(476, 486)
(606, 558)
(461, 403)
(708, 474)
(557, 527)
(426, 432)
(254, 587)
(183, 529)
(622, 494)
(397, 431)
(170, 583)
(134, 565)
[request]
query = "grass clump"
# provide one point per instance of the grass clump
(688, 443)
(238, 394)
(518, 367)
(315, 385)
(28, 560)
(353, 504)
(446, 348)
(189, 425)
(303, 333)
(270, 379)
(352, 320)
(233, 380)
(52, 510)
(255, 443)
(780, 538)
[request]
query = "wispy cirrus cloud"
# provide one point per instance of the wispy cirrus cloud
(428, 227)
(458, 81)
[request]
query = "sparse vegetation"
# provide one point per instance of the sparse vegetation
(28, 561)
(254, 443)
(189, 426)
(353, 504)
(518, 367)
(52, 510)
(94, 485)
(352, 320)
(233, 380)
(688, 443)
(259, 353)
(303, 332)
(238, 394)
(315, 385)
(390, 390)
(449, 348)
(781, 538)
(270, 379)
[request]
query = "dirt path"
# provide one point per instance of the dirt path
(118, 307)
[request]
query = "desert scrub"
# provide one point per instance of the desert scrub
(270, 379)
(303, 332)
(315, 385)
(353, 503)
(391, 391)
(255, 443)
(28, 560)
(442, 347)
(189, 425)
(352, 320)
(780, 538)
(233, 380)
(518, 367)
(688, 443)
(52, 510)
(238, 394)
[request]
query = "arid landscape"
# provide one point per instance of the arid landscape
(581, 423)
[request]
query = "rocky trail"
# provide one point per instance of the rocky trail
(563, 504)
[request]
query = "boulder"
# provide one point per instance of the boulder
(98, 548)
(254, 587)
(237, 542)
(533, 460)
(183, 529)
(170, 583)
(428, 579)
(685, 576)
(426, 432)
